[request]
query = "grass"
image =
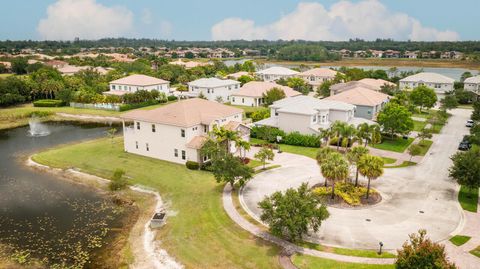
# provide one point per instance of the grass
(305, 151)
(387, 160)
(402, 165)
(397, 144)
(475, 251)
(459, 240)
(348, 252)
(304, 262)
(249, 109)
(255, 163)
(201, 235)
(267, 168)
(468, 198)
(425, 146)
(419, 125)
(5, 75)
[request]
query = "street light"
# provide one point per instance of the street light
(380, 250)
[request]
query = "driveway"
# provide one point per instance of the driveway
(419, 197)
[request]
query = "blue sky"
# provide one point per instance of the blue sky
(249, 19)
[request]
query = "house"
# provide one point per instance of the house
(188, 64)
(317, 76)
(137, 82)
(69, 70)
(411, 54)
(370, 83)
(213, 89)
(275, 73)
(251, 94)
(377, 53)
(56, 64)
(307, 115)
(237, 75)
(176, 132)
(8, 65)
(392, 54)
(439, 83)
(472, 84)
(368, 102)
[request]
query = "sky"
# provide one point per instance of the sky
(417, 20)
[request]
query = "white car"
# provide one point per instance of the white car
(470, 123)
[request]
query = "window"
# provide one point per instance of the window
(113, 87)
(138, 125)
(182, 133)
(146, 146)
(184, 155)
(243, 100)
(136, 144)
(175, 152)
(153, 128)
(205, 128)
(233, 99)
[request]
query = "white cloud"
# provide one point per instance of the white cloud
(165, 28)
(367, 19)
(87, 19)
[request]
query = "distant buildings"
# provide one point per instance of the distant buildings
(276, 73)
(177, 132)
(307, 115)
(251, 94)
(317, 76)
(472, 84)
(439, 83)
(188, 64)
(135, 83)
(213, 89)
(69, 70)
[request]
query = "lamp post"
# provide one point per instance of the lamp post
(380, 250)
(279, 138)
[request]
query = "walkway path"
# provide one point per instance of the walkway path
(289, 247)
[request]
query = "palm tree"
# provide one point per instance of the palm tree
(370, 167)
(337, 129)
(376, 134)
(322, 155)
(243, 145)
(223, 135)
(349, 132)
(334, 168)
(364, 132)
(354, 156)
(325, 135)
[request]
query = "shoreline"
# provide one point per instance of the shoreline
(141, 238)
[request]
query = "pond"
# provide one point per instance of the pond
(45, 217)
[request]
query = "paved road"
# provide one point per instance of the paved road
(406, 191)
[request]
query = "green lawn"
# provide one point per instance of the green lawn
(305, 151)
(387, 160)
(425, 146)
(397, 144)
(459, 240)
(309, 262)
(468, 198)
(419, 125)
(348, 252)
(5, 75)
(404, 164)
(475, 251)
(200, 235)
(249, 109)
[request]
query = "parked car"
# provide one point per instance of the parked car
(465, 144)
(470, 123)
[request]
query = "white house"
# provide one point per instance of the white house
(472, 84)
(275, 73)
(213, 88)
(370, 83)
(317, 76)
(135, 83)
(307, 115)
(251, 94)
(176, 132)
(439, 83)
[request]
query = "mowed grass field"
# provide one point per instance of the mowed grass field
(200, 235)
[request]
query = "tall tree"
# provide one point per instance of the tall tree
(272, 95)
(291, 215)
(371, 167)
(334, 168)
(420, 252)
(395, 119)
(466, 168)
(354, 156)
(423, 97)
(264, 154)
(225, 136)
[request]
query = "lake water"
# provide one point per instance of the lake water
(454, 73)
(49, 218)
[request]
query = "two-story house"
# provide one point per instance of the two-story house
(133, 83)
(213, 89)
(440, 83)
(176, 132)
(472, 84)
(276, 73)
(307, 115)
(252, 93)
(317, 76)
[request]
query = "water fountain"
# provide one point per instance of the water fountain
(37, 128)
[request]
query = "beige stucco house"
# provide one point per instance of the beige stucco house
(316, 76)
(276, 73)
(176, 132)
(307, 115)
(251, 94)
(369, 83)
(472, 84)
(440, 83)
(133, 83)
(214, 89)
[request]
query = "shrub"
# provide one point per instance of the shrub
(346, 191)
(343, 143)
(259, 114)
(295, 138)
(172, 98)
(48, 103)
(118, 182)
(192, 165)
(39, 114)
(126, 107)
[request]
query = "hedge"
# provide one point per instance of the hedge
(192, 165)
(172, 98)
(126, 107)
(295, 139)
(48, 103)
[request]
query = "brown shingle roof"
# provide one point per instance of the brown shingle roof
(185, 113)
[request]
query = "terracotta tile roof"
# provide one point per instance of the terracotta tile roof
(377, 83)
(360, 96)
(428, 77)
(139, 80)
(258, 88)
(185, 113)
(319, 72)
(278, 70)
(197, 142)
